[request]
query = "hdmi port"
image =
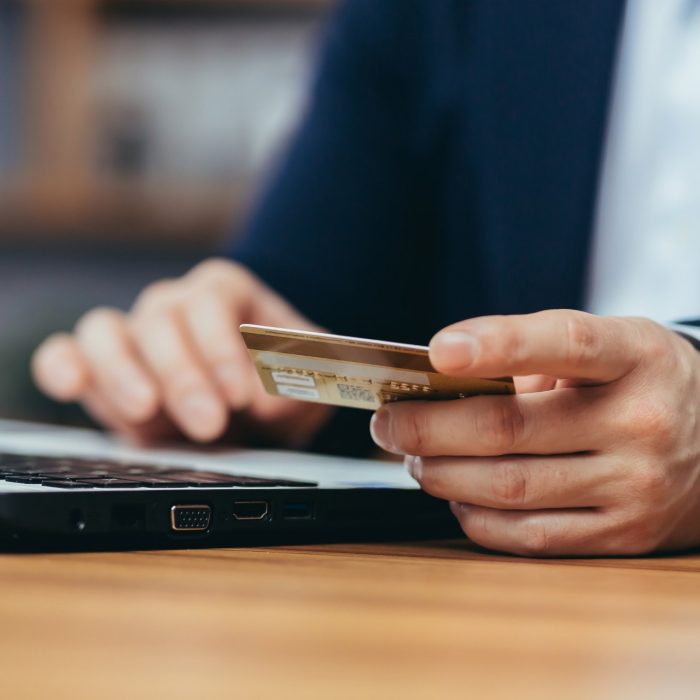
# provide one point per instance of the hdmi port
(250, 510)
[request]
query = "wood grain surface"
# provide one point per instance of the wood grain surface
(413, 620)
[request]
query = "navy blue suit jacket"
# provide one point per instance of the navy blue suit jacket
(447, 167)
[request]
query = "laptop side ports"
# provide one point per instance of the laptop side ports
(250, 510)
(300, 510)
(190, 518)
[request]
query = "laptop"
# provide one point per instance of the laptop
(73, 489)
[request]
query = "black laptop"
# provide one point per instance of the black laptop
(66, 489)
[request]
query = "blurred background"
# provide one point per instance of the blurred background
(133, 136)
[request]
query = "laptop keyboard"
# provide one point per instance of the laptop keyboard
(82, 473)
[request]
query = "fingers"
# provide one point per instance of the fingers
(214, 332)
(178, 354)
(518, 482)
(561, 343)
(541, 533)
(220, 296)
(59, 368)
(253, 300)
(98, 360)
(99, 367)
(155, 429)
(117, 372)
(188, 392)
(550, 422)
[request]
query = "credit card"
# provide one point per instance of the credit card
(354, 372)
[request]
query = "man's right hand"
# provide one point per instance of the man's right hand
(177, 363)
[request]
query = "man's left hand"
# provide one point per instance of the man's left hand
(597, 453)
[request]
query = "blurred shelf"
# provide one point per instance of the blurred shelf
(187, 214)
(59, 192)
(273, 4)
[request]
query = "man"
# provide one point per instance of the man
(449, 168)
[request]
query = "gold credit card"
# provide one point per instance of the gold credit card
(355, 372)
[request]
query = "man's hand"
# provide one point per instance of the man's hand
(598, 453)
(177, 361)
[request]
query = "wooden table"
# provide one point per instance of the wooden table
(347, 621)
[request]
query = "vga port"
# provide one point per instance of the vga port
(190, 518)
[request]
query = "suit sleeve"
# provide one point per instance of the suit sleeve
(336, 229)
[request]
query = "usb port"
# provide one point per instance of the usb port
(190, 518)
(250, 510)
(297, 511)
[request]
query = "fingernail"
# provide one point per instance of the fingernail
(233, 379)
(458, 508)
(414, 465)
(380, 429)
(201, 411)
(454, 348)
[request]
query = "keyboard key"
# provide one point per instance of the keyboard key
(67, 485)
(84, 472)
(111, 483)
(164, 481)
(27, 479)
